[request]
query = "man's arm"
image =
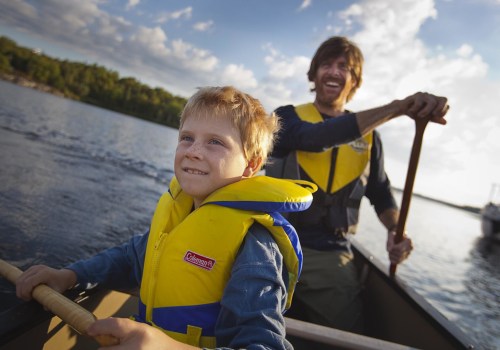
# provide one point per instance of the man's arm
(418, 105)
(389, 218)
(296, 134)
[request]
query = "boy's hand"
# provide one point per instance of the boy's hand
(134, 335)
(59, 280)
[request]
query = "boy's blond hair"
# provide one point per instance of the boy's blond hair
(257, 128)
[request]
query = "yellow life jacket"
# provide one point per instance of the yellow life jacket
(190, 254)
(341, 174)
(350, 163)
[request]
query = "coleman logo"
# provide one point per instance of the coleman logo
(199, 260)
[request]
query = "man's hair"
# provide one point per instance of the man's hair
(334, 47)
(257, 128)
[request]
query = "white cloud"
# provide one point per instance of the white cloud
(286, 79)
(305, 4)
(132, 3)
(238, 76)
(150, 41)
(281, 67)
(465, 50)
(203, 26)
(185, 13)
(13, 10)
(193, 57)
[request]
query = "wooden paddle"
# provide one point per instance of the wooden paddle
(70, 312)
(420, 124)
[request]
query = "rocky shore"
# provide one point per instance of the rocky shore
(19, 80)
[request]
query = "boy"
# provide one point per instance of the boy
(219, 264)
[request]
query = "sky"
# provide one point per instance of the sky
(446, 47)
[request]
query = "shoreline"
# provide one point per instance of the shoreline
(22, 81)
(470, 209)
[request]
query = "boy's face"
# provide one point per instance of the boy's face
(209, 155)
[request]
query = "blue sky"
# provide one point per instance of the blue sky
(450, 48)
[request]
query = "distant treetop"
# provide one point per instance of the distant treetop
(91, 84)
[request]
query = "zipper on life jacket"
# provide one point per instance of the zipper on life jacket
(154, 275)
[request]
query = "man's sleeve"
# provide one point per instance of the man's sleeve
(296, 134)
(378, 189)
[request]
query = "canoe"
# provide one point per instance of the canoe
(396, 313)
(396, 318)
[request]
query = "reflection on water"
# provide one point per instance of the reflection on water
(483, 286)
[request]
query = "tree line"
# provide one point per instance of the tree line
(91, 84)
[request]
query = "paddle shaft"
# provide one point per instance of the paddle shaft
(420, 125)
(68, 311)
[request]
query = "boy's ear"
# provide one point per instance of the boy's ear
(252, 167)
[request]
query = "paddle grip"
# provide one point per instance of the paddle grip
(70, 312)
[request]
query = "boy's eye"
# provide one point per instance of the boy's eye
(185, 138)
(215, 142)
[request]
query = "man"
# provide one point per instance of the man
(342, 153)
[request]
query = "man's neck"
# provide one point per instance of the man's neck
(333, 110)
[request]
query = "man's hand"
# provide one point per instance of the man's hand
(422, 105)
(400, 251)
(418, 105)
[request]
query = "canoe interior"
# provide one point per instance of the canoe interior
(394, 312)
(49, 332)
(397, 313)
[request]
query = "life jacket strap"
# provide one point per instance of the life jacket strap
(193, 335)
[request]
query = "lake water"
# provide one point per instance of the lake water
(75, 179)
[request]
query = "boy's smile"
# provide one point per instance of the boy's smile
(209, 155)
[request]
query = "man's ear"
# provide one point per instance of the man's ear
(252, 167)
(354, 81)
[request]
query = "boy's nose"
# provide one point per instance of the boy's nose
(194, 150)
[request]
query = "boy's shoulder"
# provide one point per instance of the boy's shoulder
(259, 246)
